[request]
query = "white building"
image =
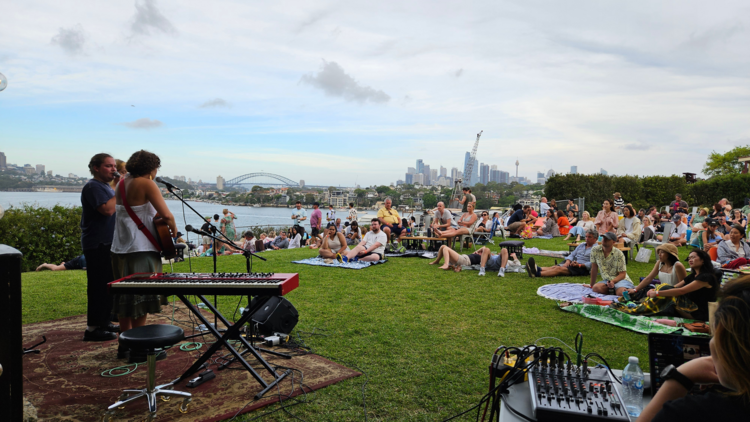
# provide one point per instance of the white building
(219, 183)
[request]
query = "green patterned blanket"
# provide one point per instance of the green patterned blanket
(637, 323)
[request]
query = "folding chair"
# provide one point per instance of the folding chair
(653, 243)
(487, 236)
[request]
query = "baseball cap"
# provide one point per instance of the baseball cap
(610, 236)
(711, 222)
(676, 217)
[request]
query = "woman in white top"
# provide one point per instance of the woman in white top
(334, 243)
(668, 268)
(294, 239)
(629, 228)
(581, 227)
(132, 251)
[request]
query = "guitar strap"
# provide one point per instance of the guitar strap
(138, 222)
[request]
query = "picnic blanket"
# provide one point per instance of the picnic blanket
(570, 292)
(357, 265)
(544, 252)
(411, 253)
(637, 323)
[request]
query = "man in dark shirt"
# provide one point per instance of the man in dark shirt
(97, 231)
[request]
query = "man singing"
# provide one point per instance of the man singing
(97, 231)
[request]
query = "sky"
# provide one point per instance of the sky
(344, 93)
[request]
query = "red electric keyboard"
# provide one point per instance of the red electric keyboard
(253, 284)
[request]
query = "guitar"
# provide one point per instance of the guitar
(164, 237)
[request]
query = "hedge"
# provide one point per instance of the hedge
(50, 235)
(643, 192)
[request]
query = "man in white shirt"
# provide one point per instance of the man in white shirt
(679, 232)
(352, 213)
(543, 207)
(371, 248)
(331, 214)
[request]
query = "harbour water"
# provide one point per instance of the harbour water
(246, 216)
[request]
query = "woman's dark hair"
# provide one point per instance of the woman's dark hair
(354, 223)
(335, 228)
(707, 267)
(142, 163)
(413, 219)
(732, 333)
(97, 161)
(718, 208)
(672, 259)
(560, 213)
(632, 211)
(739, 229)
(611, 204)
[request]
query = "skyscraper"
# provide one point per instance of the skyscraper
(494, 175)
(454, 174)
(409, 179)
(484, 174)
(516, 169)
(3, 160)
(475, 176)
(419, 179)
(573, 169)
(420, 166)
(504, 177)
(219, 183)
(467, 179)
(411, 170)
(443, 171)
(604, 172)
(427, 172)
(540, 175)
(433, 176)
(550, 173)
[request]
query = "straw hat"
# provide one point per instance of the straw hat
(670, 249)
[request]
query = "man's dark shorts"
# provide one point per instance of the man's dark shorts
(396, 229)
(372, 253)
(315, 231)
(578, 271)
(77, 263)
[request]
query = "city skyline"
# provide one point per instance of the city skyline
(351, 93)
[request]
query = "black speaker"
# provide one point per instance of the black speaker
(278, 315)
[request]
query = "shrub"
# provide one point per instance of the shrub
(42, 234)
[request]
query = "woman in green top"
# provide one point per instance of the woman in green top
(227, 224)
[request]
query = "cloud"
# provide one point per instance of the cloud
(458, 73)
(336, 83)
(638, 146)
(148, 17)
(144, 123)
(71, 40)
(311, 20)
(719, 34)
(216, 102)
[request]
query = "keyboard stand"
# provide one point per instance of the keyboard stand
(232, 332)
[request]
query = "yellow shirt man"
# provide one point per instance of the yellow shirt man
(390, 216)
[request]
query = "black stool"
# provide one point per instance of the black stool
(151, 338)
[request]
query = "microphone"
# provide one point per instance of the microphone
(196, 231)
(167, 184)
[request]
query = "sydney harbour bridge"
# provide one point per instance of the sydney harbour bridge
(266, 180)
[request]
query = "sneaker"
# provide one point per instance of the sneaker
(344, 259)
(481, 271)
(112, 328)
(501, 273)
(355, 259)
(531, 267)
(339, 258)
(99, 335)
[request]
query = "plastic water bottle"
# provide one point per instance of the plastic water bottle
(632, 387)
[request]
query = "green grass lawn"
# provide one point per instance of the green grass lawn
(423, 336)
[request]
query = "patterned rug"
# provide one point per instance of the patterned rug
(352, 265)
(638, 323)
(64, 381)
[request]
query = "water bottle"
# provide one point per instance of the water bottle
(632, 387)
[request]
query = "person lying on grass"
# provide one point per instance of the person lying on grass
(610, 262)
(483, 257)
(577, 263)
(77, 263)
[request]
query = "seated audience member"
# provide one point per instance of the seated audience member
(735, 252)
(668, 269)
(496, 223)
(648, 231)
(678, 205)
(485, 224)
(728, 211)
(316, 241)
(618, 204)
(724, 227)
(521, 221)
(442, 219)
(727, 366)
(248, 243)
(543, 207)
(572, 220)
(372, 246)
(698, 219)
(641, 214)
(571, 207)
(549, 227)
(629, 228)
(519, 214)
(206, 227)
(77, 263)
(295, 238)
(738, 219)
(718, 210)
(413, 224)
(610, 263)
(710, 237)
(334, 243)
(606, 220)
(746, 209)
(582, 226)
(339, 226)
(467, 220)
(353, 234)
(699, 287)
(482, 257)
(390, 222)
(552, 207)
(280, 242)
(577, 263)
(269, 239)
(563, 223)
(678, 235)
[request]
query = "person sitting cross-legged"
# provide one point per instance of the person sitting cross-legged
(371, 248)
(353, 234)
(334, 243)
(482, 257)
(610, 262)
(576, 264)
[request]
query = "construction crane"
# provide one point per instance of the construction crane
(468, 171)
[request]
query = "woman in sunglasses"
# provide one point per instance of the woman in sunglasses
(485, 224)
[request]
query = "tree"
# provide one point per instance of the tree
(429, 200)
(256, 188)
(723, 164)
(382, 188)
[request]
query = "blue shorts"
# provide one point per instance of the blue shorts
(493, 263)
(396, 229)
(622, 283)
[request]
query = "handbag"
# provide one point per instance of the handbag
(644, 255)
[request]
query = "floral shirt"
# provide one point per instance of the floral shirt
(611, 266)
